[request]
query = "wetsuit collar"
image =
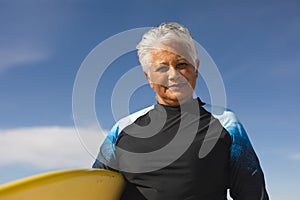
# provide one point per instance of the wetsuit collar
(189, 106)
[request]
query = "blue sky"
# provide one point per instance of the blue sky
(254, 44)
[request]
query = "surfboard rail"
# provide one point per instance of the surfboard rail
(75, 184)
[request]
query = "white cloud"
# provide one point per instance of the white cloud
(295, 156)
(12, 57)
(49, 147)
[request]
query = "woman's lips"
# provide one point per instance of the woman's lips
(175, 87)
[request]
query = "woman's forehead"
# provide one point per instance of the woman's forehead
(170, 50)
(165, 54)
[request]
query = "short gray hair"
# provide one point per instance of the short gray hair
(167, 36)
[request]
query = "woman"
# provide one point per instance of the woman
(157, 148)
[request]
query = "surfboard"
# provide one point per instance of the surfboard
(74, 184)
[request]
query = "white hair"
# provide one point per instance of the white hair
(172, 37)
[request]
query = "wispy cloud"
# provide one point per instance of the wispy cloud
(295, 156)
(13, 57)
(48, 147)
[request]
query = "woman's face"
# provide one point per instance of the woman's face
(172, 77)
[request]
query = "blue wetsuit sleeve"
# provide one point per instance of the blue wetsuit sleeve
(106, 158)
(246, 176)
(107, 154)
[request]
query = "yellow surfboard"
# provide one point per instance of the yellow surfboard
(73, 184)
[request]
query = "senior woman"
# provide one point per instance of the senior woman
(157, 148)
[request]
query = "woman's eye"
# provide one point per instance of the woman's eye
(182, 65)
(162, 69)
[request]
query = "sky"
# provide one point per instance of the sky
(43, 45)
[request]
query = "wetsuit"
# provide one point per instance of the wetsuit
(212, 153)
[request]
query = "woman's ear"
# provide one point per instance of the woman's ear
(197, 67)
(148, 79)
(197, 63)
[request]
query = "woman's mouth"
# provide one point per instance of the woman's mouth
(175, 87)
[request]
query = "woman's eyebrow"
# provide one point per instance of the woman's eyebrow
(163, 63)
(181, 59)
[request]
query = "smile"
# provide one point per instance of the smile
(176, 86)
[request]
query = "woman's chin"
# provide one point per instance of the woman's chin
(179, 96)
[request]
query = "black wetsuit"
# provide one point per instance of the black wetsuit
(183, 153)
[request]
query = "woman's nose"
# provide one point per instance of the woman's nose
(173, 73)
